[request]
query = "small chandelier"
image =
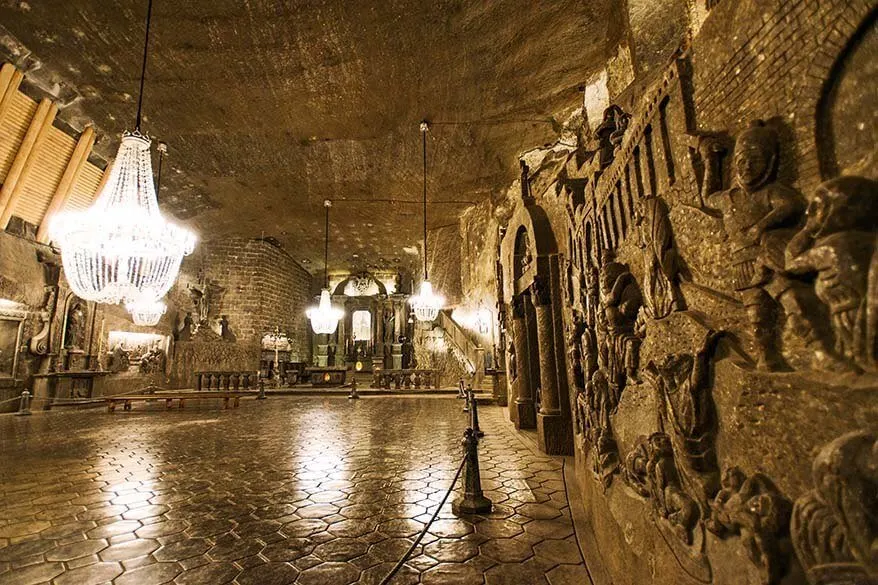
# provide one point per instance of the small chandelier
(122, 248)
(324, 317)
(426, 304)
(147, 312)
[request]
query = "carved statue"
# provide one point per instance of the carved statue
(759, 214)
(184, 333)
(330, 355)
(119, 359)
(620, 302)
(837, 244)
(753, 508)
(74, 332)
(226, 330)
(389, 323)
(835, 526)
(153, 361)
(605, 130)
(686, 414)
(661, 262)
(510, 361)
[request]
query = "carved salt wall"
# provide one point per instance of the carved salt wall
(713, 254)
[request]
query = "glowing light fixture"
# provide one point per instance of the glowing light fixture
(122, 248)
(426, 304)
(324, 317)
(147, 312)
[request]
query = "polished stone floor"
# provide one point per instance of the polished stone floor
(307, 490)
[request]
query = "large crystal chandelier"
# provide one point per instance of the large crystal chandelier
(426, 304)
(324, 317)
(122, 248)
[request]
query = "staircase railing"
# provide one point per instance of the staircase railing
(472, 353)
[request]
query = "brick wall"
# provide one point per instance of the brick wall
(769, 59)
(263, 287)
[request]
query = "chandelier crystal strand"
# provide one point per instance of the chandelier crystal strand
(324, 317)
(122, 248)
(426, 304)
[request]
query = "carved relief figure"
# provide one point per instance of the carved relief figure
(753, 508)
(837, 244)
(686, 414)
(662, 264)
(759, 214)
(595, 405)
(620, 302)
(835, 526)
(652, 472)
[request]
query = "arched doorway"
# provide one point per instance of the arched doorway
(532, 283)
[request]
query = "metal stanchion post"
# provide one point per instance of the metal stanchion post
(354, 395)
(461, 389)
(261, 395)
(24, 404)
(473, 500)
(466, 402)
(474, 414)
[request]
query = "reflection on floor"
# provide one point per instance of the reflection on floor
(309, 490)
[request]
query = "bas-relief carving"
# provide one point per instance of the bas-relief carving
(760, 215)
(661, 262)
(74, 325)
(754, 509)
(683, 384)
(837, 246)
(40, 343)
(835, 526)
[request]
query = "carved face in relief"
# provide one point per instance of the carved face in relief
(751, 164)
(755, 155)
(843, 204)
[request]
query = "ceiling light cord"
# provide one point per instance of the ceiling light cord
(424, 128)
(327, 204)
(143, 68)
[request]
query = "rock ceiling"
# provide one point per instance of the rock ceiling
(270, 107)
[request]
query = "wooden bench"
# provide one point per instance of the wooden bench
(169, 397)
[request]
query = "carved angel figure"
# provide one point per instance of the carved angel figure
(661, 262)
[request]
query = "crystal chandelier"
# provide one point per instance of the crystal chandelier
(324, 317)
(426, 304)
(122, 248)
(147, 312)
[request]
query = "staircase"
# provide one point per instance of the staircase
(470, 353)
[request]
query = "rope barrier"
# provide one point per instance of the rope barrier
(420, 537)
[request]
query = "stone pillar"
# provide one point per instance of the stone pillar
(552, 428)
(522, 414)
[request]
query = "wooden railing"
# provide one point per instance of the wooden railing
(405, 379)
(225, 380)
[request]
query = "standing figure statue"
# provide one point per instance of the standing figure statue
(74, 333)
(759, 214)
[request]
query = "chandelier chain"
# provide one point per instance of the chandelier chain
(143, 68)
(424, 128)
(327, 204)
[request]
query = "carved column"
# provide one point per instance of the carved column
(523, 413)
(553, 429)
(542, 300)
